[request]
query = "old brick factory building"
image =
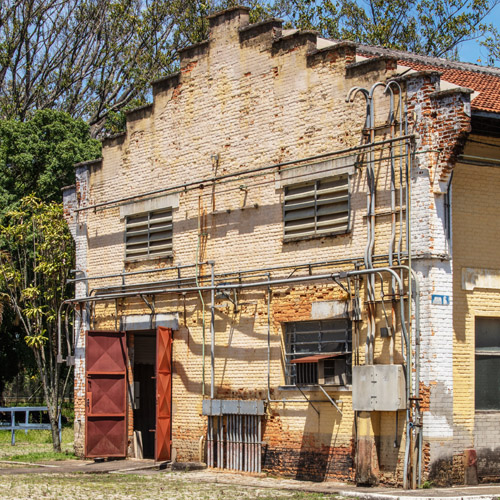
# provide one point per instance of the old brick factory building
(289, 263)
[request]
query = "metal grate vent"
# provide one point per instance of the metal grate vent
(234, 442)
(149, 235)
(317, 208)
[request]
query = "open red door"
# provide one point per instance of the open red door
(163, 394)
(106, 395)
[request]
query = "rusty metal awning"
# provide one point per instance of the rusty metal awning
(318, 357)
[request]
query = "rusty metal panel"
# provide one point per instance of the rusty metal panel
(163, 442)
(106, 394)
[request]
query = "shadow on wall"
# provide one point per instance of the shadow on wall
(488, 465)
(317, 453)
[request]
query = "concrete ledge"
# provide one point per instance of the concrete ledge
(448, 92)
(381, 63)
(188, 466)
(88, 163)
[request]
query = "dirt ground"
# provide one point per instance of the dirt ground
(167, 485)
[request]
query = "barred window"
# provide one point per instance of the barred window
(149, 235)
(317, 208)
(318, 352)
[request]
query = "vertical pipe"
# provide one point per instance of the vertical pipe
(268, 340)
(229, 442)
(250, 418)
(233, 447)
(212, 444)
(254, 454)
(238, 439)
(255, 441)
(218, 443)
(247, 451)
(259, 463)
(208, 441)
(212, 332)
(222, 441)
(240, 442)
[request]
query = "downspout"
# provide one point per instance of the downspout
(212, 330)
(201, 299)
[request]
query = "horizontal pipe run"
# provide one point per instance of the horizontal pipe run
(302, 265)
(132, 273)
(229, 286)
(236, 174)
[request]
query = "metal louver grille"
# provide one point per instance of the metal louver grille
(149, 235)
(317, 208)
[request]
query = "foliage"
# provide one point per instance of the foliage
(88, 58)
(434, 28)
(15, 356)
(34, 265)
(37, 156)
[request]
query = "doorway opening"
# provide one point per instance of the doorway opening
(144, 404)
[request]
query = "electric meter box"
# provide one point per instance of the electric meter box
(378, 388)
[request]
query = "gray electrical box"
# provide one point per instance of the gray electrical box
(378, 388)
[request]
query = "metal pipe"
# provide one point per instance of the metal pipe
(260, 445)
(330, 399)
(393, 226)
(240, 447)
(369, 125)
(212, 331)
(198, 244)
(132, 273)
(198, 183)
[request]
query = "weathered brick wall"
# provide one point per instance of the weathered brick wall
(255, 98)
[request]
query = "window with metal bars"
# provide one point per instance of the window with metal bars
(317, 208)
(318, 352)
(149, 235)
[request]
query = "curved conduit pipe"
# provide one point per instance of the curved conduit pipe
(370, 334)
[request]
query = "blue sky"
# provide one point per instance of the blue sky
(472, 51)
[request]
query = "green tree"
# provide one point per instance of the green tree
(34, 265)
(89, 58)
(429, 27)
(37, 156)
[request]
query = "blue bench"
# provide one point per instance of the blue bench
(14, 426)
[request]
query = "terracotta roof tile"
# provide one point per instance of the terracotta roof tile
(488, 86)
(482, 79)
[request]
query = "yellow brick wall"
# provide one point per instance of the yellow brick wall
(476, 226)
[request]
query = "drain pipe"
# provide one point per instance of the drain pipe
(212, 330)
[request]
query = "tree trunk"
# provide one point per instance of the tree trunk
(51, 397)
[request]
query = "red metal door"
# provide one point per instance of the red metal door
(106, 394)
(163, 394)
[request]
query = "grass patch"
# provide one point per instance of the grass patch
(42, 456)
(171, 486)
(35, 445)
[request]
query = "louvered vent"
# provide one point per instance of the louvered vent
(149, 235)
(317, 208)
